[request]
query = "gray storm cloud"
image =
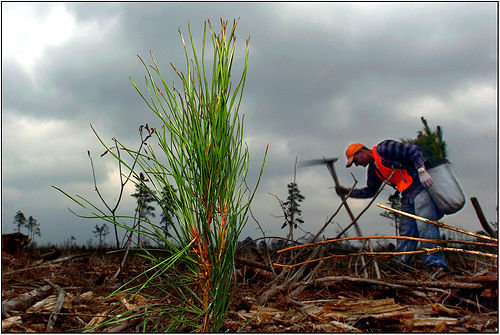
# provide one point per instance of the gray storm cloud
(320, 76)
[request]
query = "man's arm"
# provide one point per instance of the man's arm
(372, 185)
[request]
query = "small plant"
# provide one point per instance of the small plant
(203, 156)
(431, 144)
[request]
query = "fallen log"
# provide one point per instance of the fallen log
(25, 298)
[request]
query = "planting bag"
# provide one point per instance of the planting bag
(445, 190)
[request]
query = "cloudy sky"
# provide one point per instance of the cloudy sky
(320, 76)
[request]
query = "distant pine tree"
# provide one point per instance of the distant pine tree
(144, 210)
(168, 207)
(291, 208)
(19, 220)
(33, 227)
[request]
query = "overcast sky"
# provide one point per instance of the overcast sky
(320, 76)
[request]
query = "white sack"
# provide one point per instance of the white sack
(445, 190)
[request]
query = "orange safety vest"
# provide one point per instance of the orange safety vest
(401, 179)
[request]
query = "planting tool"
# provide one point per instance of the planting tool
(329, 164)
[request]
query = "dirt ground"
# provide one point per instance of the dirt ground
(336, 296)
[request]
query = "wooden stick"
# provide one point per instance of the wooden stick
(438, 284)
(25, 269)
(45, 264)
(429, 322)
(481, 217)
(478, 253)
(57, 308)
(390, 253)
(67, 258)
(254, 264)
(330, 167)
(399, 284)
(439, 224)
(367, 206)
(369, 253)
(386, 237)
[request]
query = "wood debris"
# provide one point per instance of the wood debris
(96, 320)
(10, 322)
(25, 298)
(333, 299)
(61, 295)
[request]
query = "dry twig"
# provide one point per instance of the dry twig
(439, 224)
(385, 237)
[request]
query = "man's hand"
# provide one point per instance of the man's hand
(342, 191)
(425, 179)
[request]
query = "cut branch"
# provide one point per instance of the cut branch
(57, 308)
(390, 253)
(482, 218)
(386, 237)
(473, 252)
(439, 224)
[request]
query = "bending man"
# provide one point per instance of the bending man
(411, 179)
